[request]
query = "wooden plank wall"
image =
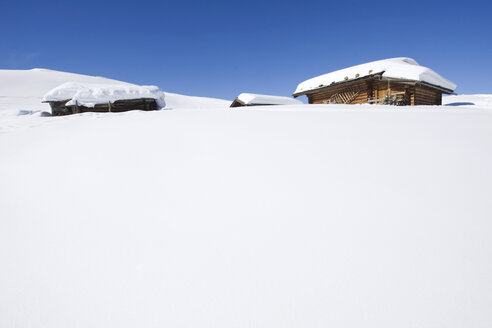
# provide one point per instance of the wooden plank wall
(427, 96)
(59, 108)
(323, 96)
(377, 89)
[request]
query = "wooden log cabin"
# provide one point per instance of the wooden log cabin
(395, 81)
(59, 108)
(73, 98)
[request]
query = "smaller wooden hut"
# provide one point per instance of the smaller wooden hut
(72, 98)
(251, 99)
(394, 81)
(61, 108)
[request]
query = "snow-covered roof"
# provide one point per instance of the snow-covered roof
(89, 94)
(251, 99)
(398, 68)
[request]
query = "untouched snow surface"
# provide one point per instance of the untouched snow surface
(400, 68)
(271, 216)
(255, 99)
(38, 81)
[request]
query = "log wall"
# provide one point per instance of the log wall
(59, 108)
(427, 96)
(323, 96)
(374, 91)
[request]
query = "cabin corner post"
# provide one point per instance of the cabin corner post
(370, 91)
(53, 110)
(310, 99)
(75, 108)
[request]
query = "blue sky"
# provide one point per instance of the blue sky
(222, 48)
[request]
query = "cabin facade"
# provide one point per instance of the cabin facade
(59, 108)
(397, 81)
(377, 90)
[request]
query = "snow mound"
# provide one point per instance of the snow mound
(399, 68)
(177, 101)
(89, 95)
(36, 82)
(250, 99)
(480, 100)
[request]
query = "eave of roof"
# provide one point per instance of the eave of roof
(237, 101)
(366, 77)
(53, 101)
(378, 76)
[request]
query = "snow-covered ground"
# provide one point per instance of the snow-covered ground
(274, 216)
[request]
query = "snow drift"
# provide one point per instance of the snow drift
(479, 100)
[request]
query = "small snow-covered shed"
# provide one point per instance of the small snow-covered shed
(72, 97)
(251, 99)
(398, 81)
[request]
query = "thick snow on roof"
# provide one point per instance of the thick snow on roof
(255, 99)
(87, 94)
(399, 68)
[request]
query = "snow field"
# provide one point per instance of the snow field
(272, 216)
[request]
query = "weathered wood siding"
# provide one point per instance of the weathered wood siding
(59, 107)
(374, 91)
(427, 96)
(323, 96)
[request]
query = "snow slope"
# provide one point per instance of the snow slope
(38, 81)
(271, 216)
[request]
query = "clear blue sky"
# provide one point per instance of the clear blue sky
(222, 48)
